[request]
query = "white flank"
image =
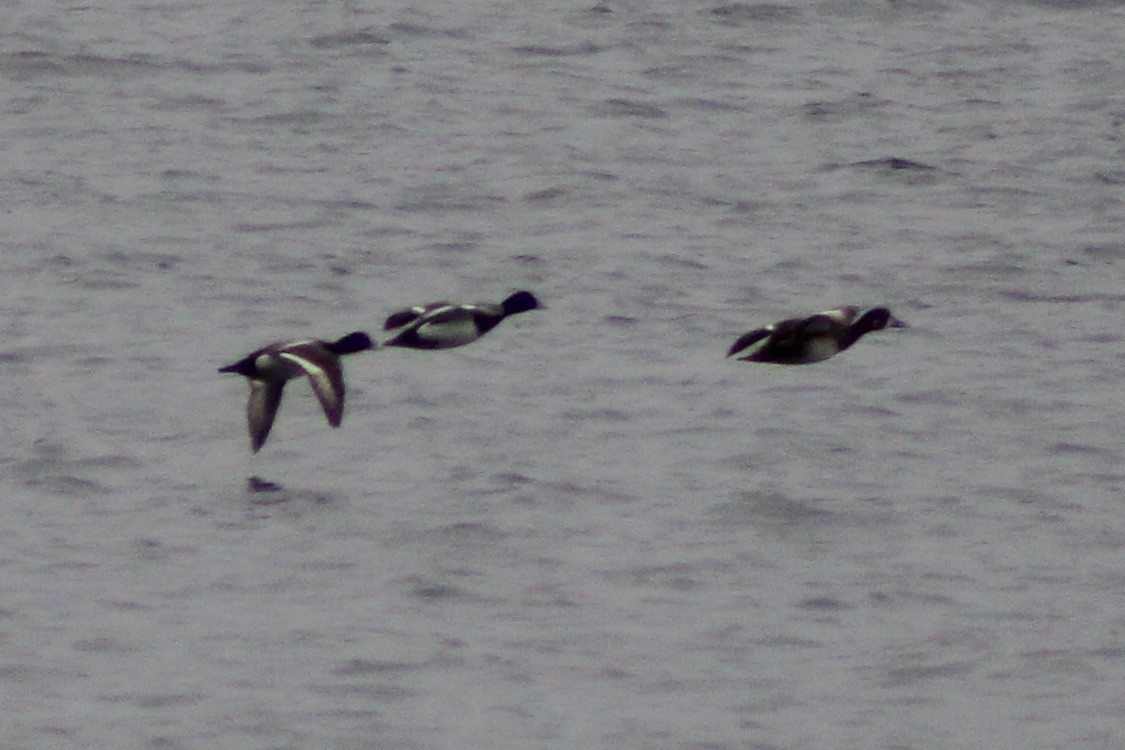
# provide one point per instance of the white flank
(458, 331)
(822, 348)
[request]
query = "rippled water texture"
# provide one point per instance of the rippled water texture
(588, 529)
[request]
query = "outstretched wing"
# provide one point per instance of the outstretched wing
(827, 323)
(747, 340)
(816, 326)
(265, 396)
(410, 314)
(325, 375)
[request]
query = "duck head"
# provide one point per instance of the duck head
(878, 318)
(520, 302)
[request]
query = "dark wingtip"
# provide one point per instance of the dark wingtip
(746, 340)
(399, 319)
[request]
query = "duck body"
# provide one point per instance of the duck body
(444, 325)
(268, 369)
(804, 341)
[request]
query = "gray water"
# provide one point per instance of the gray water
(589, 529)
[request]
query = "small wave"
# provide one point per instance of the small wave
(573, 50)
(1022, 295)
(1087, 450)
(629, 108)
(365, 41)
(740, 13)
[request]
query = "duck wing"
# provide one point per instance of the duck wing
(326, 377)
(821, 324)
(748, 339)
(265, 396)
(411, 314)
(828, 322)
(778, 336)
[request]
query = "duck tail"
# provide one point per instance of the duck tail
(244, 367)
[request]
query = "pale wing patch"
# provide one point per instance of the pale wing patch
(327, 380)
(411, 314)
(268, 365)
(271, 363)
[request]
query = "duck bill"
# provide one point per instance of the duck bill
(896, 323)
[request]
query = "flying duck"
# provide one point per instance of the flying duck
(443, 325)
(802, 341)
(271, 366)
